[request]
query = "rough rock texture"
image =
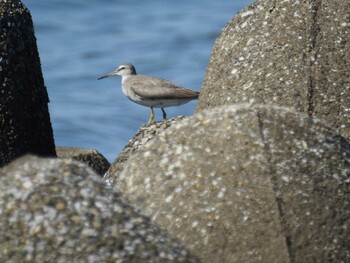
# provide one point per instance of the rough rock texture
(289, 53)
(54, 210)
(247, 184)
(92, 158)
(143, 135)
(24, 118)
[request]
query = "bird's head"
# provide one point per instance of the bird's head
(122, 70)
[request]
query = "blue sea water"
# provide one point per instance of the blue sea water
(80, 40)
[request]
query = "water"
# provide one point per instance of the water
(83, 39)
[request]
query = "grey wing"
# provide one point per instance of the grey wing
(154, 88)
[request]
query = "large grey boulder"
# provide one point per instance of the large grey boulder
(247, 183)
(54, 210)
(288, 53)
(24, 118)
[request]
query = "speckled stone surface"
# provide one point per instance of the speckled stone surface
(54, 210)
(287, 53)
(143, 135)
(24, 118)
(247, 183)
(91, 157)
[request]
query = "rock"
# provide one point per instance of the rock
(247, 183)
(54, 210)
(24, 117)
(143, 135)
(288, 53)
(92, 158)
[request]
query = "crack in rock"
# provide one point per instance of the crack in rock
(313, 51)
(279, 201)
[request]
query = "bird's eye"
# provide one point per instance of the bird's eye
(121, 68)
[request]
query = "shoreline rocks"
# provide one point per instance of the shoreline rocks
(288, 53)
(91, 157)
(25, 125)
(56, 210)
(247, 183)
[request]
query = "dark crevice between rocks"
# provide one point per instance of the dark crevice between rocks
(273, 7)
(279, 200)
(313, 53)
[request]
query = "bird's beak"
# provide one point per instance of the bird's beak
(113, 73)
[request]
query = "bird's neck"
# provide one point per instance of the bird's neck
(125, 78)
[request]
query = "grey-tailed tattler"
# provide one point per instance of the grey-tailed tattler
(151, 92)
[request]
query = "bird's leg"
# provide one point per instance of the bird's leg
(164, 114)
(151, 117)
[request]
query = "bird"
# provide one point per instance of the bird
(150, 91)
